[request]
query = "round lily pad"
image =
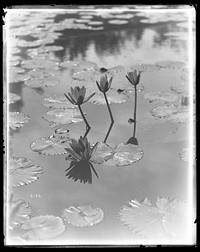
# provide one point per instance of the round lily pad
(17, 120)
(82, 216)
(17, 77)
(95, 23)
(19, 212)
(43, 227)
(102, 153)
(179, 88)
(86, 65)
(55, 102)
(12, 98)
(69, 64)
(117, 22)
(161, 96)
(112, 95)
(163, 221)
(51, 146)
(40, 63)
(171, 64)
(84, 75)
(127, 154)
(41, 73)
(42, 82)
(62, 116)
(23, 171)
(164, 111)
(182, 115)
(145, 67)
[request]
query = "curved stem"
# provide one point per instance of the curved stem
(87, 131)
(111, 116)
(87, 124)
(135, 109)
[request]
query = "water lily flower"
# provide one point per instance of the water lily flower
(104, 84)
(77, 95)
(134, 77)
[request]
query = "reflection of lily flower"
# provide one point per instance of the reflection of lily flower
(77, 95)
(134, 77)
(80, 155)
(104, 84)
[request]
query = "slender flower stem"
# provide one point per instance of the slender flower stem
(87, 124)
(111, 116)
(111, 125)
(135, 108)
(87, 131)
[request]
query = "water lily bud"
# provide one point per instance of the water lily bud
(134, 77)
(104, 84)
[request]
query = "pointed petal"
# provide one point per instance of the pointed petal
(72, 98)
(90, 96)
(69, 99)
(98, 85)
(73, 153)
(129, 79)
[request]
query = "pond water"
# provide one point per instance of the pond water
(50, 51)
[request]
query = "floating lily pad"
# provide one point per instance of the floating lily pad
(41, 73)
(40, 63)
(17, 120)
(19, 212)
(95, 23)
(124, 16)
(86, 65)
(165, 220)
(82, 216)
(180, 88)
(145, 67)
(164, 111)
(127, 154)
(116, 69)
(181, 116)
(55, 102)
(121, 155)
(69, 64)
(43, 82)
(18, 77)
(84, 75)
(171, 64)
(62, 116)
(117, 22)
(51, 146)
(43, 227)
(112, 95)
(161, 96)
(102, 153)
(52, 48)
(12, 98)
(23, 171)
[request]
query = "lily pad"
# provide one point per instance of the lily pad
(86, 65)
(112, 95)
(95, 23)
(19, 212)
(43, 227)
(17, 120)
(145, 67)
(181, 116)
(166, 220)
(171, 64)
(121, 155)
(164, 111)
(82, 216)
(51, 146)
(84, 75)
(23, 171)
(161, 96)
(117, 22)
(41, 73)
(12, 98)
(55, 102)
(40, 63)
(18, 77)
(42, 82)
(180, 88)
(69, 64)
(62, 116)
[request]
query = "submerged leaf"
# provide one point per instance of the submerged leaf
(166, 220)
(145, 67)
(51, 146)
(83, 216)
(113, 97)
(19, 212)
(43, 227)
(161, 96)
(17, 120)
(23, 171)
(63, 116)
